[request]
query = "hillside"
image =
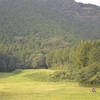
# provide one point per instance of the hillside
(30, 29)
(48, 18)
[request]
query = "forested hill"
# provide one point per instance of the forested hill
(30, 29)
(67, 19)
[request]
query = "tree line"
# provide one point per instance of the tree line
(82, 62)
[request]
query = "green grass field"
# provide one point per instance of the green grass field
(29, 85)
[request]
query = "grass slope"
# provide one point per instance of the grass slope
(22, 85)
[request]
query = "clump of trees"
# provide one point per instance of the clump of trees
(88, 62)
(37, 61)
(7, 63)
(82, 62)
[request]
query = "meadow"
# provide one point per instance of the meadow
(32, 85)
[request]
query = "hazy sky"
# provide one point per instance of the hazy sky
(96, 2)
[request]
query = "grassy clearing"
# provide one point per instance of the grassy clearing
(23, 85)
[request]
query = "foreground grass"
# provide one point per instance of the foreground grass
(20, 87)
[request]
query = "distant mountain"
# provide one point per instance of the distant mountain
(34, 33)
(57, 20)
(73, 10)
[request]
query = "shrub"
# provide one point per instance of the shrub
(90, 74)
(17, 71)
(59, 76)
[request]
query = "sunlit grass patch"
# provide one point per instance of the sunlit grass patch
(23, 87)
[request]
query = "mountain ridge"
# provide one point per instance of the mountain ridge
(49, 18)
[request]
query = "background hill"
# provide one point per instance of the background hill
(47, 19)
(29, 29)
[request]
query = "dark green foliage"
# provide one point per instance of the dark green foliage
(57, 57)
(58, 76)
(83, 60)
(82, 54)
(88, 54)
(90, 74)
(7, 63)
(94, 55)
(37, 61)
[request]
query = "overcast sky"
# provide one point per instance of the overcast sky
(96, 2)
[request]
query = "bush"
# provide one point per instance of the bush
(59, 76)
(90, 74)
(17, 71)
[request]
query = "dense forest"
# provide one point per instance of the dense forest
(56, 34)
